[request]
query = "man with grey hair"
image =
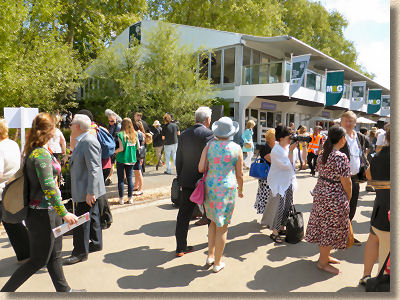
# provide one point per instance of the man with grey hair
(87, 186)
(190, 145)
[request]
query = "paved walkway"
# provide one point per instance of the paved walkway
(139, 248)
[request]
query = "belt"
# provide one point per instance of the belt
(329, 180)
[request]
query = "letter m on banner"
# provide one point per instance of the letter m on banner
(334, 87)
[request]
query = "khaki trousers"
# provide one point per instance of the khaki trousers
(384, 245)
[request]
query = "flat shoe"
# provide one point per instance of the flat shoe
(363, 281)
(210, 261)
(276, 238)
(216, 269)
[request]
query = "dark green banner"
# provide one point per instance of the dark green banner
(334, 87)
(374, 101)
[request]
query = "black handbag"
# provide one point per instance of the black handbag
(380, 283)
(294, 226)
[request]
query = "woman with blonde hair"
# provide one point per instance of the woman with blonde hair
(248, 145)
(263, 188)
(126, 157)
(45, 208)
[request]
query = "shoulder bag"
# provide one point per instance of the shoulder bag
(380, 283)
(259, 168)
(294, 226)
(198, 194)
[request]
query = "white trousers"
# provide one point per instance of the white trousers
(247, 160)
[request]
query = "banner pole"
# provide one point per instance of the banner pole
(291, 69)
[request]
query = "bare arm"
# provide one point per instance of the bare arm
(178, 133)
(203, 160)
(378, 148)
(63, 145)
(239, 173)
(267, 157)
(120, 147)
(368, 173)
(346, 183)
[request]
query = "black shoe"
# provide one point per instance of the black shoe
(77, 291)
(165, 172)
(357, 242)
(182, 252)
(156, 168)
(93, 248)
(108, 182)
(125, 181)
(74, 259)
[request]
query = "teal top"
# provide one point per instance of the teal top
(247, 137)
(128, 156)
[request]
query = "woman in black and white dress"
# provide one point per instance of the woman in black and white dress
(263, 189)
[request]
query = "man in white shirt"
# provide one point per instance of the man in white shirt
(381, 138)
(353, 152)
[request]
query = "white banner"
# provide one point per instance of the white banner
(385, 108)
(358, 96)
(298, 70)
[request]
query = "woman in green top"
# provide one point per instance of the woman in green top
(45, 208)
(126, 157)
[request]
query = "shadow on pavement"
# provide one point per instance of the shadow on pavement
(299, 250)
(360, 228)
(354, 255)
(168, 206)
(243, 229)
(304, 208)
(9, 265)
(288, 277)
(351, 289)
(237, 249)
(156, 277)
(367, 213)
(156, 229)
(138, 258)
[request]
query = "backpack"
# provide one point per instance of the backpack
(15, 198)
(106, 141)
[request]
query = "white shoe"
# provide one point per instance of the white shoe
(121, 201)
(210, 261)
(216, 269)
(130, 200)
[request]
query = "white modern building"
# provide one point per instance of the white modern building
(252, 74)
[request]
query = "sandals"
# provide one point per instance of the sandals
(276, 238)
(363, 281)
(282, 232)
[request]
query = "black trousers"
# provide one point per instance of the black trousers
(355, 191)
(312, 161)
(104, 207)
(45, 250)
(182, 221)
(89, 231)
(19, 239)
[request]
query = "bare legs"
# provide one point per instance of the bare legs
(138, 181)
(370, 254)
(216, 242)
(325, 260)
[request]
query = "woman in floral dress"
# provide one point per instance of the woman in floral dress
(329, 219)
(222, 159)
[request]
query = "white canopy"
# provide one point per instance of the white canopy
(360, 120)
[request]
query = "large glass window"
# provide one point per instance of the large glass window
(246, 56)
(318, 82)
(288, 69)
(263, 74)
(229, 65)
(270, 119)
(256, 57)
(311, 80)
(216, 67)
(264, 58)
(275, 73)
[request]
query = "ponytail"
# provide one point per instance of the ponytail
(328, 146)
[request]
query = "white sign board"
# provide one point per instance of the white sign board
(15, 115)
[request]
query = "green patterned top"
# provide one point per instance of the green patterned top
(42, 169)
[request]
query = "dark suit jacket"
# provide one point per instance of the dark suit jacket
(362, 140)
(190, 145)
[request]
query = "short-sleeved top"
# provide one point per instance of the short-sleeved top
(380, 170)
(54, 142)
(128, 156)
(336, 166)
(170, 131)
(265, 149)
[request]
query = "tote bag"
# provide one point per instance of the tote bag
(198, 194)
(294, 226)
(259, 169)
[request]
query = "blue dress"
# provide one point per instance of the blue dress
(247, 137)
(221, 181)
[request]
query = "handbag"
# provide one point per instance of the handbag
(175, 192)
(259, 168)
(380, 283)
(294, 226)
(247, 145)
(198, 194)
(350, 237)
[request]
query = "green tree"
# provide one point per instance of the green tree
(36, 68)
(157, 77)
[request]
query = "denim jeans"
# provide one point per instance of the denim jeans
(170, 151)
(120, 173)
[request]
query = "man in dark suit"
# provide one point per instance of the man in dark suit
(190, 145)
(87, 185)
(354, 150)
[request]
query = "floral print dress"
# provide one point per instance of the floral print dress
(221, 181)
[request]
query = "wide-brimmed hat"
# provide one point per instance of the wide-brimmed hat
(225, 127)
(156, 123)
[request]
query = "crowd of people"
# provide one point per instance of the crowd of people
(342, 158)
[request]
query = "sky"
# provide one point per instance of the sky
(369, 29)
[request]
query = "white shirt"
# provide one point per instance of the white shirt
(381, 139)
(54, 143)
(354, 154)
(281, 174)
(10, 160)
